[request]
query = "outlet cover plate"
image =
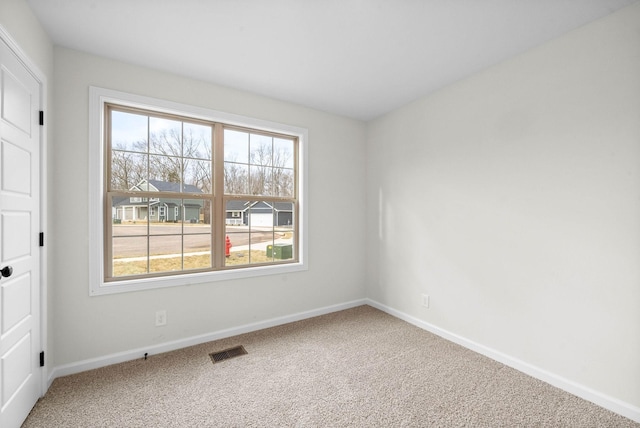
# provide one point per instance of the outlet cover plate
(425, 300)
(161, 318)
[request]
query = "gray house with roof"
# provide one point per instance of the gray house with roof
(159, 209)
(238, 212)
(259, 213)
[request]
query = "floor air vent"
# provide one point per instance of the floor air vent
(216, 357)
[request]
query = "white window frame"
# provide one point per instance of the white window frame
(98, 97)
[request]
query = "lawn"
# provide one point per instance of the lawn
(122, 268)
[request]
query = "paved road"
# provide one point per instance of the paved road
(131, 241)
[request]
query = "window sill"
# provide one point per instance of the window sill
(124, 286)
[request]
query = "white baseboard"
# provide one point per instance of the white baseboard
(618, 406)
(120, 357)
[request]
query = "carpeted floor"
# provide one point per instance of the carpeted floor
(354, 368)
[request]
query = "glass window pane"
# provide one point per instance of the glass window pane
(165, 253)
(162, 220)
(165, 169)
(261, 180)
(197, 216)
(197, 173)
(129, 131)
(236, 213)
(283, 153)
(197, 251)
(236, 179)
(283, 232)
(259, 232)
(283, 182)
(129, 252)
(197, 141)
(165, 136)
(283, 213)
(237, 232)
(236, 146)
(261, 152)
(127, 169)
(130, 210)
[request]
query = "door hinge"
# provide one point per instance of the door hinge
(42, 359)
(41, 118)
(42, 239)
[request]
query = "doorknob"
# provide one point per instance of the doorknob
(6, 271)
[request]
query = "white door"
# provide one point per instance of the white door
(20, 373)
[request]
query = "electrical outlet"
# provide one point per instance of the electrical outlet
(161, 317)
(425, 300)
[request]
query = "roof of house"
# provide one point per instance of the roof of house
(120, 200)
(163, 186)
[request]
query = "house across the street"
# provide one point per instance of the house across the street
(259, 213)
(159, 209)
(238, 212)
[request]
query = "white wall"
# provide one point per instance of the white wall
(92, 327)
(513, 199)
(17, 18)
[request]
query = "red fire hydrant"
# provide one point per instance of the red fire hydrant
(227, 245)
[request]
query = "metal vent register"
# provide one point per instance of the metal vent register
(216, 357)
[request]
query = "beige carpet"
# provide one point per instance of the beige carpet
(355, 368)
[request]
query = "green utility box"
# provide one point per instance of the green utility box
(280, 251)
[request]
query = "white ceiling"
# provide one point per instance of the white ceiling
(357, 58)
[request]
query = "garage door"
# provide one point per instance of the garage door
(259, 220)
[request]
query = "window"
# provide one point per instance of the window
(181, 184)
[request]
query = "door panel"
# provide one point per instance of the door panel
(16, 235)
(17, 292)
(16, 174)
(16, 102)
(16, 369)
(20, 372)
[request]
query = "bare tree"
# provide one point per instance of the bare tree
(186, 159)
(260, 173)
(283, 182)
(235, 178)
(283, 179)
(165, 160)
(265, 175)
(196, 152)
(127, 168)
(178, 158)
